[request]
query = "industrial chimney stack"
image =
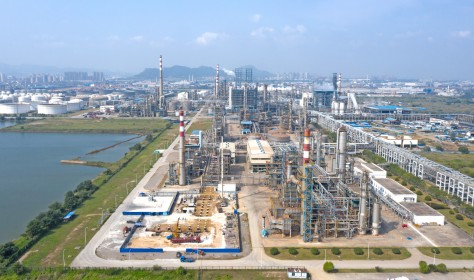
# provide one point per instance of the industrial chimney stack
(181, 159)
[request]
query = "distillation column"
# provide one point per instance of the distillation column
(181, 159)
(363, 205)
(341, 149)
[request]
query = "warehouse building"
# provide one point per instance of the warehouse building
(259, 153)
(423, 214)
(392, 189)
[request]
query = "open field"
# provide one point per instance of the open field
(447, 254)
(432, 103)
(463, 163)
(69, 237)
(119, 274)
(131, 126)
(346, 254)
(463, 224)
(201, 124)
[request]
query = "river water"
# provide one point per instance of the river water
(32, 177)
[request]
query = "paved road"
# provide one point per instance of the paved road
(88, 258)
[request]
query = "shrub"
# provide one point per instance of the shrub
(404, 183)
(424, 268)
(451, 212)
(328, 267)
(315, 251)
(377, 251)
(463, 150)
(293, 251)
(427, 198)
(412, 188)
(336, 251)
(456, 210)
(419, 192)
(378, 269)
(471, 250)
(456, 250)
(459, 217)
(471, 224)
(274, 251)
(435, 250)
(439, 148)
(396, 251)
(433, 267)
(358, 251)
(441, 268)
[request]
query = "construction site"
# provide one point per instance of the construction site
(266, 149)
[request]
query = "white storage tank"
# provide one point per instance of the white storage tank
(52, 109)
(24, 99)
(38, 98)
(74, 105)
(14, 108)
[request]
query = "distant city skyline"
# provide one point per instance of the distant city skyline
(405, 39)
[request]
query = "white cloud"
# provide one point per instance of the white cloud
(462, 33)
(113, 38)
(256, 17)
(137, 38)
(228, 72)
(299, 29)
(207, 37)
(262, 32)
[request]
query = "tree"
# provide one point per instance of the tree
(328, 267)
(293, 251)
(70, 201)
(315, 251)
(274, 251)
(8, 249)
(424, 268)
(358, 251)
(463, 150)
(459, 217)
(336, 251)
(426, 149)
(441, 268)
(396, 251)
(377, 251)
(427, 198)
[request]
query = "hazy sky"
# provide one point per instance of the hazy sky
(409, 39)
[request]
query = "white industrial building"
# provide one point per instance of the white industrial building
(423, 214)
(393, 189)
(14, 108)
(403, 141)
(259, 153)
(52, 109)
(373, 170)
(231, 147)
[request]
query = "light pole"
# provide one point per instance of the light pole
(64, 260)
(368, 251)
(126, 185)
(85, 236)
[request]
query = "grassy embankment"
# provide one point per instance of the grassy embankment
(70, 236)
(119, 274)
(345, 254)
(447, 253)
(202, 124)
(68, 125)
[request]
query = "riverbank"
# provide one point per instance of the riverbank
(70, 237)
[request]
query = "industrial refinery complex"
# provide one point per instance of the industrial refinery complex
(281, 159)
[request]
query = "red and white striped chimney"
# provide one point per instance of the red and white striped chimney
(306, 146)
(181, 160)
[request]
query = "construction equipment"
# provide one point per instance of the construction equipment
(186, 259)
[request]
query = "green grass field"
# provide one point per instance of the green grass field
(460, 223)
(463, 163)
(447, 254)
(201, 124)
(68, 125)
(70, 236)
(346, 254)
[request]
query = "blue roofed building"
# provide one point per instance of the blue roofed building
(387, 109)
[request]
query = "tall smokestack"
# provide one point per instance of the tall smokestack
(339, 85)
(181, 160)
(160, 100)
(341, 148)
(216, 89)
(306, 146)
